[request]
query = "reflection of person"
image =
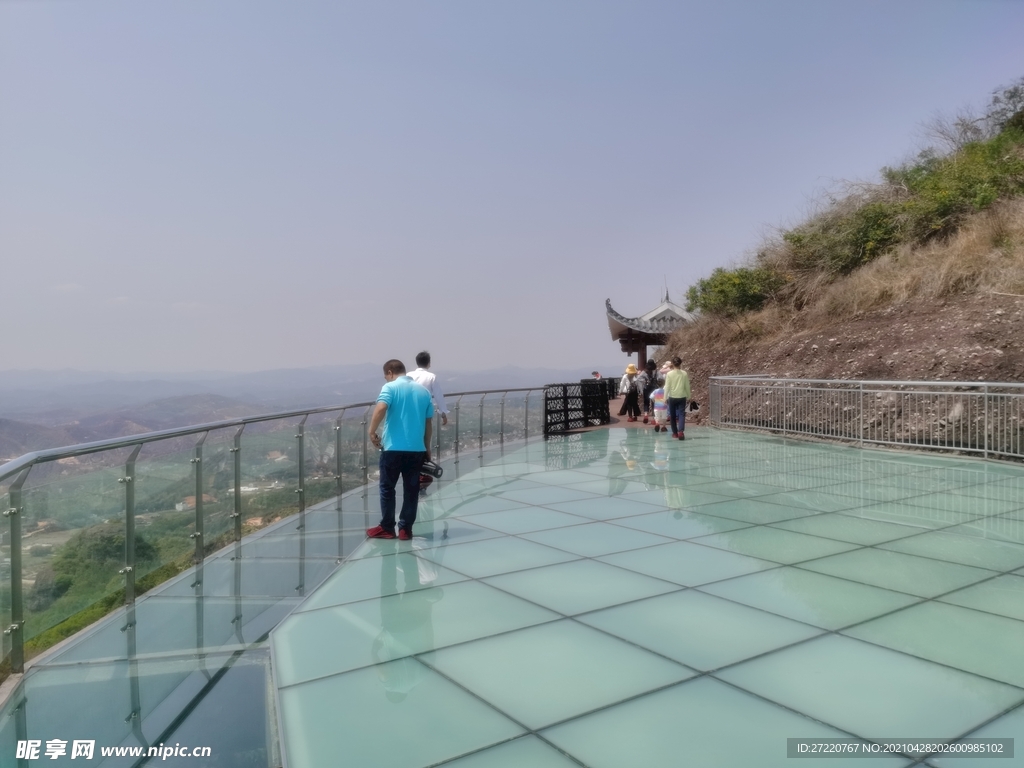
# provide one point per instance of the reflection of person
(660, 462)
(424, 377)
(406, 626)
(677, 391)
(406, 411)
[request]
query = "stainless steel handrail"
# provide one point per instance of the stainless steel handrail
(20, 468)
(14, 466)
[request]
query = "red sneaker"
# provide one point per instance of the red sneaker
(682, 435)
(675, 434)
(404, 534)
(377, 532)
(645, 419)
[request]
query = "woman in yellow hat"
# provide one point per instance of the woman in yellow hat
(628, 387)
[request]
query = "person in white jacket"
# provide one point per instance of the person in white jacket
(423, 376)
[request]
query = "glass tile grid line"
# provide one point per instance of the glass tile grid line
(924, 473)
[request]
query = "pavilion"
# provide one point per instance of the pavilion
(635, 334)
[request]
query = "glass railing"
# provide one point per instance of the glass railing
(91, 527)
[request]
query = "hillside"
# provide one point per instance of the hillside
(962, 338)
(919, 277)
(19, 437)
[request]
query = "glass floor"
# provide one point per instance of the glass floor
(612, 598)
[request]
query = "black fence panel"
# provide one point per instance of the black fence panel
(595, 402)
(574, 406)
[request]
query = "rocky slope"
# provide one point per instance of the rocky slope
(974, 337)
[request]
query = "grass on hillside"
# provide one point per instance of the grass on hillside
(985, 255)
(938, 226)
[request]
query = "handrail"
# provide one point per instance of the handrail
(19, 469)
(14, 466)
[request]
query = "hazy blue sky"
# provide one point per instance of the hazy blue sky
(244, 184)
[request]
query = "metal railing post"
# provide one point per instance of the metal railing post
(861, 409)
(481, 425)
(458, 404)
(129, 526)
(338, 466)
(197, 463)
(16, 629)
(501, 429)
(526, 418)
(236, 454)
(300, 435)
(987, 404)
(365, 457)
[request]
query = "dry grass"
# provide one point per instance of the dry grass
(985, 256)
(761, 326)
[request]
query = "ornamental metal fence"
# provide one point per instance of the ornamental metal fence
(91, 526)
(569, 407)
(985, 419)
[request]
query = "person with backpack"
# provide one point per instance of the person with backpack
(650, 383)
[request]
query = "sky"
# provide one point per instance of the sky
(241, 185)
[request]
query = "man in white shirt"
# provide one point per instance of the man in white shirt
(424, 377)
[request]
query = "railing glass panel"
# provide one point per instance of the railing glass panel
(72, 548)
(270, 470)
(218, 489)
(91, 528)
(165, 512)
(320, 464)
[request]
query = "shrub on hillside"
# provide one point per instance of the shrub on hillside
(730, 292)
(918, 203)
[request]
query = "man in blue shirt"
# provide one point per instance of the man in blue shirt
(406, 410)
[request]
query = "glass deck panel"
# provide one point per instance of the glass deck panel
(602, 599)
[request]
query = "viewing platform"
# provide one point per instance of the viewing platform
(604, 598)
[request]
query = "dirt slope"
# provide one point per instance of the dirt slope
(978, 337)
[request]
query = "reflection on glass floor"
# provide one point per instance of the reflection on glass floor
(606, 599)
(619, 599)
(190, 663)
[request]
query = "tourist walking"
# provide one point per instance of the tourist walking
(650, 383)
(407, 413)
(423, 376)
(628, 387)
(426, 378)
(677, 392)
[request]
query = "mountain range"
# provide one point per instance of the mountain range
(46, 409)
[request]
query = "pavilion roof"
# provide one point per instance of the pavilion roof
(660, 321)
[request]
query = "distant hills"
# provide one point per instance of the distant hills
(47, 409)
